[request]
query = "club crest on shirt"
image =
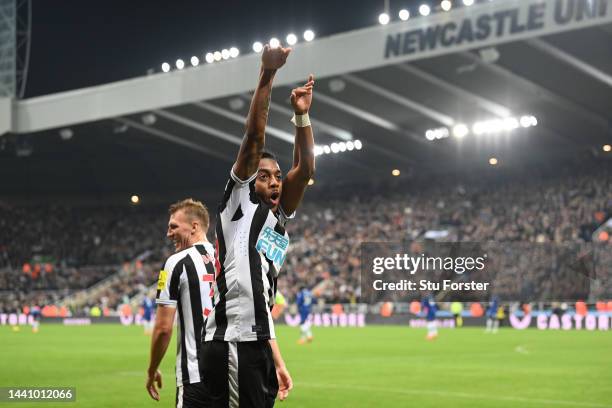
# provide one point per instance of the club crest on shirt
(273, 245)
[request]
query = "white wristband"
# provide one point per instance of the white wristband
(301, 120)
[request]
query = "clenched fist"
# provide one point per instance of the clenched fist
(274, 58)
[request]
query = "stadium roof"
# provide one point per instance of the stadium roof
(384, 85)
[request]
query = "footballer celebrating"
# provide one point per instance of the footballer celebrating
(242, 361)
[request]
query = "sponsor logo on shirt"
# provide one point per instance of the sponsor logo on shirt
(273, 245)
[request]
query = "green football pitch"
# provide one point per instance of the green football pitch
(368, 367)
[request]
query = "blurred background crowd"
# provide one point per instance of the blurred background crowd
(102, 256)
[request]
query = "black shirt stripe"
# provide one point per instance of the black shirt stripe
(220, 311)
(184, 366)
(226, 194)
(259, 302)
(175, 281)
(196, 302)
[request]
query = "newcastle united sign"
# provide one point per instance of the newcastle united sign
(508, 21)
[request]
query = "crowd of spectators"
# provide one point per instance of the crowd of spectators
(558, 206)
(78, 236)
(49, 252)
(85, 244)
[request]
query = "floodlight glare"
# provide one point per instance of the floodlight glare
(383, 18)
(309, 35)
(195, 61)
(446, 5)
(180, 64)
(525, 121)
(234, 52)
(460, 130)
(257, 46)
(478, 128)
(165, 67)
(404, 14)
(292, 39)
(424, 9)
(511, 123)
(274, 43)
(210, 58)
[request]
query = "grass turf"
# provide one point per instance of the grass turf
(348, 367)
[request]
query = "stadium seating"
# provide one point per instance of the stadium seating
(85, 244)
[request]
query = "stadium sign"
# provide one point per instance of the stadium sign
(329, 320)
(132, 319)
(14, 319)
(488, 26)
(592, 321)
(442, 323)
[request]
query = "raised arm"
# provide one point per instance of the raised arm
(254, 139)
(303, 150)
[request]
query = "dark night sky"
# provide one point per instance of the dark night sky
(78, 43)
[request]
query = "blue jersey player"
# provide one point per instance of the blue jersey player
(147, 315)
(429, 309)
(304, 302)
(492, 321)
(35, 313)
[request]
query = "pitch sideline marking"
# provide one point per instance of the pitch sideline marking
(459, 394)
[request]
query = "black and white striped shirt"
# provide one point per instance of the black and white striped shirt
(251, 247)
(185, 282)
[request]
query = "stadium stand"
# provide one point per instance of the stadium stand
(76, 247)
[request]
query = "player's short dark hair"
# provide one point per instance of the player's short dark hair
(193, 209)
(267, 154)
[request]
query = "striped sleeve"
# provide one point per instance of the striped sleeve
(242, 183)
(236, 190)
(168, 282)
(283, 217)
